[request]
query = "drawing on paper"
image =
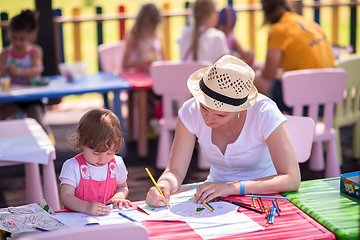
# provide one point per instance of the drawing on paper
(25, 218)
(187, 209)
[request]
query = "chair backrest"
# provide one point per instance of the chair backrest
(350, 108)
(301, 131)
(124, 231)
(170, 81)
(312, 88)
(111, 56)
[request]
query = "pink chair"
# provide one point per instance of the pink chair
(111, 60)
(301, 131)
(109, 232)
(170, 81)
(111, 56)
(312, 88)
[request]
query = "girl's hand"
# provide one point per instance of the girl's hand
(155, 199)
(118, 202)
(13, 70)
(96, 209)
(209, 190)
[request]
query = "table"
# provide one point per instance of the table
(292, 224)
(101, 82)
(24, 141)
(322, 200)
(141, 83)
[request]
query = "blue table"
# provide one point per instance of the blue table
(101, 82)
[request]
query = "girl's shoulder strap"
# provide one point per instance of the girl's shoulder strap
(80, 159)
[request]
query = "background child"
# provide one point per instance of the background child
(22, 60)
(227, 20)
(95, 177)
(143, 45)
(202, 41)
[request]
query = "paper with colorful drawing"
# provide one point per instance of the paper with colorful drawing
(25, 218)
(223, 221)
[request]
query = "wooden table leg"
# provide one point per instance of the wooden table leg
(143, 140)
(33, 185)
(50, 186)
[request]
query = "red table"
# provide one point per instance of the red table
(141, 83)
(291, 224)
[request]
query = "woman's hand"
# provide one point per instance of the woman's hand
(210, 190)
(155, 199)
(96, 209)
(118, 202)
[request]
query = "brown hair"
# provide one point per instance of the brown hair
(202, 10)
(274, 9)
(98, 129)
(27, 21)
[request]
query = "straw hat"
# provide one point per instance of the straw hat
(226, 86)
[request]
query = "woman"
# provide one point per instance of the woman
(241, 133)
(294, 43)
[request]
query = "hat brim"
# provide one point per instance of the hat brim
(194, 88)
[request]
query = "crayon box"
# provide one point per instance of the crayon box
(350, 183)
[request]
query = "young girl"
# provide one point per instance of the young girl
(22, 60)
(227, 20)
(203, 42)
(95, 177)
(143, 45)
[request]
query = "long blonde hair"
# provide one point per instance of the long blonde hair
(202, 10)
(146, 22)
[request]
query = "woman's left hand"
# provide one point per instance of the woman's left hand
(210, 190)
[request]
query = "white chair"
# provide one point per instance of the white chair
(312, 88)
(126, 231)
(170, 82)
(301, 131)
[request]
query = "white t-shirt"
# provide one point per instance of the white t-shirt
(212, 44)
(70, 172)
(248, 157)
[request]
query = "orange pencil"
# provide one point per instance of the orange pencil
(261, 206)
(267, 211)
(277, 204)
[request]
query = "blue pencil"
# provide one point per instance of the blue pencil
(41, 229)
(276, 208)
(127, 217)
(259, 196)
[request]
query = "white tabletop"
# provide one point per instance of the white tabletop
(25, 141)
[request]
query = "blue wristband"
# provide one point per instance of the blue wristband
(242, 187)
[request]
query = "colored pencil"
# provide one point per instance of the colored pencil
(272, 215)
(267, 211)
(253, 201)
(41, 229)
(277, 210)
(244, 206)
(258, 196)
(127, 217)
(278, 204)
(208, 206)
(261, 205)
(148, 172)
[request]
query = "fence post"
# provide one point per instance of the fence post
(122, 24)
(166, 24)
(59, 41)
(353, 17)
(187, 17)
(99, 27)
(252, 26)
(317, 13)
(4, 17)
(335, 23)
(77, 46)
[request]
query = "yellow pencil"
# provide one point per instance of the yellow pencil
(147, 170)
(206, 205)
